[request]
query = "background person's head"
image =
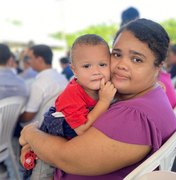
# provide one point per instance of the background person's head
(128, 15)
(26, 62)
(5, 54)
(40, 57)
(139, 49)
(64, 62)
(90, 60)
(172, 54)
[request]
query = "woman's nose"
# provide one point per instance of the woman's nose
(122, 64)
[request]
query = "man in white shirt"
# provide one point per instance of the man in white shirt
(47, 83)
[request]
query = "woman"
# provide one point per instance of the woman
(133, 128)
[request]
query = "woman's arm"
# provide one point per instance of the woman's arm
(92, 153)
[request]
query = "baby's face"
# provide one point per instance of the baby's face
(91, 64)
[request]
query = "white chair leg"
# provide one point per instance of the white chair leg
(14, 163)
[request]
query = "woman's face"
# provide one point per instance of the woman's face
(132, 66)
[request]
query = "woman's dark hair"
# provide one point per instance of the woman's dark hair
(151, 33)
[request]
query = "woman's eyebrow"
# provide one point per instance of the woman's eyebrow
(117, 50)
(137, 53)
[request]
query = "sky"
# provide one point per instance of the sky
(42, 17)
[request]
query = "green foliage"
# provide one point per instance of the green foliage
(14, 22)
(105, 31)
(58, 35)
(108, 32)
(170, 27)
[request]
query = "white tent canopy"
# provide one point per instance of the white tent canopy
(10, 33)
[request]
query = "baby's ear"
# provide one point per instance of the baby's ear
(73, 69)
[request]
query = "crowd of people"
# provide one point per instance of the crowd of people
(110, 102)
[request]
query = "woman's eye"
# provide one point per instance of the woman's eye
(116, 54)
(137, 60)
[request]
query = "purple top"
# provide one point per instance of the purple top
(147, 120)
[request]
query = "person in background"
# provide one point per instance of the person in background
(28, 71)
(47, 82)
(129, 14)
(15, 64)
(10, 83)
(171, 63)
(165, 78)
(171, 60)
(65, 65)
(132, 128)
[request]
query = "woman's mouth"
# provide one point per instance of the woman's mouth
(120, 76)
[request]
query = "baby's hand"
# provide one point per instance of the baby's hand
(107, 91)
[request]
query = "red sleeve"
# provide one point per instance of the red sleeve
(72, 104)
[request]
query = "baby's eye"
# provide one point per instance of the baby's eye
(86, 65)
(103, 64)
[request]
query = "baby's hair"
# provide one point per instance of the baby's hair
(88, 40)
(151, 33)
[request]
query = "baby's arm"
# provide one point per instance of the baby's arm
(106, 95)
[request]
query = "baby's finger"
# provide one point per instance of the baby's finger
(102, 83)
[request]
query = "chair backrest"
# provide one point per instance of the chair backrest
(159, 175)
(162, 159)
(10, 109)
(45, 107)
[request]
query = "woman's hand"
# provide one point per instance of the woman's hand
(25, 131)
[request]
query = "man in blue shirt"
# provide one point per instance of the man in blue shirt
(65, 65)
(10, 84)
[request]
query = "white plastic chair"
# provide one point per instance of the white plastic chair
(159, 175)
(162, 159)
(10, 109)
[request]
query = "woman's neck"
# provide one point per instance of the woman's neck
(121, 96)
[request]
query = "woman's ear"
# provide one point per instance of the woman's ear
(158, 69)
(157, 72)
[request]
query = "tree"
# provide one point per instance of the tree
(105, 31)
(170, 26)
